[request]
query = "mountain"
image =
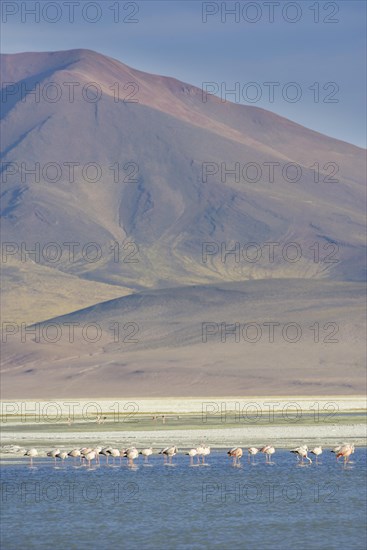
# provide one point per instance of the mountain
(164, 220)
(279, 337)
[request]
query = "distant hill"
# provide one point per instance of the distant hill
(182, 180)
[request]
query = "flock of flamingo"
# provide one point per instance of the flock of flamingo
(301, 452)
(87, 455)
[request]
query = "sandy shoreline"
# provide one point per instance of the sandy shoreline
(283, 421)
(283, 436)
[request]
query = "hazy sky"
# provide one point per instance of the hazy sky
(305, 50)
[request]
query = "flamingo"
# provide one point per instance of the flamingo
(115, 453)
(163, 452)
(235, 453)
(86, 450)
(191, 454)
(90, 455)
(97, 450)
(75, 453)
(146, 453)
(83, 452)
(32, 453)
(62, 456)
(106, 451)
(122, 454)
(336, 449)
(205, 453)
(252, 451)
(345, 451)
(301, 452)
(131, 455)
(200, 452)
(316, 451)
(53, 454)
(169, 452)
(268, 450)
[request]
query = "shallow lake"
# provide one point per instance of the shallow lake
(280, 506)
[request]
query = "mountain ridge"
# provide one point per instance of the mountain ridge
(176, 195)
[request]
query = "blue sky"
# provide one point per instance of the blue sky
(170, 37)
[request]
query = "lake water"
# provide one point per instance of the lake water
(281, 506)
